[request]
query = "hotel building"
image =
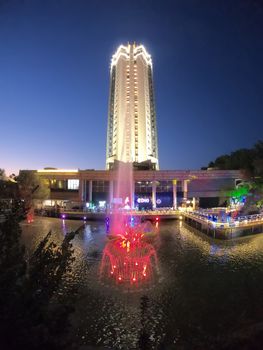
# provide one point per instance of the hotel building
(132, 131)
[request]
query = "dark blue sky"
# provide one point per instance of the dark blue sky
(54, 78)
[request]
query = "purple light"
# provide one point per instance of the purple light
(84, 218)
(63, 216)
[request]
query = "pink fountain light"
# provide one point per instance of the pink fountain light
(123, 195)
(128, 259)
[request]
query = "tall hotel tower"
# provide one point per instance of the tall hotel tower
(132, 132)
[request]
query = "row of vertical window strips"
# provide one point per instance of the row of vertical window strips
(140, 186)
(103, 186)
(136, 112)
(148, 112)
(111, 113)
(127, 119)
(153, 115)
(161, 186)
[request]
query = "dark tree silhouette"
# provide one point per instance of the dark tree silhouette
(28, 316)
(249, 160)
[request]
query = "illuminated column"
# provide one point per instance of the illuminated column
(90, 191)
(81, 190)
(193, 203)
(154, 194)
(175, 194)
(185, 189)
(85, 190)
(111, 193)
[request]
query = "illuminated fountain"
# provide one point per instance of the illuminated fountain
(128, 259)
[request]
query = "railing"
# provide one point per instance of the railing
(165, 211)
(230, 222)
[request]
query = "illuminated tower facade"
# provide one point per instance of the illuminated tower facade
(132, 131)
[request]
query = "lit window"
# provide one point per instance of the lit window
(73, 184)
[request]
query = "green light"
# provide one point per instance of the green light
(239, 192)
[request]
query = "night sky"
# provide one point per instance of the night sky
(54, 78)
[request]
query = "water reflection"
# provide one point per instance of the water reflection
(64, 227)
(241, 248)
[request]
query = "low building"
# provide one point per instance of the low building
(150, 188)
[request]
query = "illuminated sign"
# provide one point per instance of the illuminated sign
(143, 200)
(57, 170)
(158, 201)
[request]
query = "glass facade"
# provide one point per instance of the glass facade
(73, 184)
(143, 187)
(58, 185)
(100, 191)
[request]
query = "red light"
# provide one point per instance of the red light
(157, 219)
(129, 257)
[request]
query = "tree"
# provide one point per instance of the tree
(2, 174)
(32, 187)
(258, 159)
(248, 160)
(28, 317)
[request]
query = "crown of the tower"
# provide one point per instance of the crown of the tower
(128, 50)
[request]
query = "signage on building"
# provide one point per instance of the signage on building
(143, 200)
(158, 201)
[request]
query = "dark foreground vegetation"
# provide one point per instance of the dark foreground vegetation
(30, 316)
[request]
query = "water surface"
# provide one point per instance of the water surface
(199, 293)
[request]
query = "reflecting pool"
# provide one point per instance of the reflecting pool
(177, 289)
